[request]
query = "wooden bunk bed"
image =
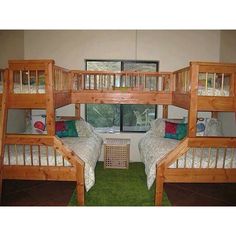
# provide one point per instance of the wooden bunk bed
(183, 88)
(39, 84)
(192, 92)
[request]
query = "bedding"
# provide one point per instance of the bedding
(154, 146)
(28, 89)
(88, 149)
(153, 149)
(212, 92)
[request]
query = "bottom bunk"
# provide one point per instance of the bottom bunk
(193, 160)
(37, 157)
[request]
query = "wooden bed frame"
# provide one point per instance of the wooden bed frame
(63, 87)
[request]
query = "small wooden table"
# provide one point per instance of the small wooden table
(116, 153)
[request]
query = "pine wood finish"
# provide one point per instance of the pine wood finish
(63, 87)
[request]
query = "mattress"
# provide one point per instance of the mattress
(212, 92)
(28, 89)
(88, 149)
(153, 149)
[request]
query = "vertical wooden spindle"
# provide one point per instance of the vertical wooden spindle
(217, 157)
(193, 158)
(214, 84)
(16, 154)
(201, 157)
(39, 155)
(206, 84)
(209, 157)
(21, 82)
(29, 82)
(31, 155)
(232, 157)
(222, 83)
(8, 154)
(224, 158)
(23, 146)
(47, 158)
(55, 157)
(37, 81)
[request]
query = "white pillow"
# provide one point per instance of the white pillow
(83, 128)
(158, 127)
(213, 127)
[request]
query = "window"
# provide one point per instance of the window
(121, 117)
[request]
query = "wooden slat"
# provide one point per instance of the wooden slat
(220, 103)
(181, 100)
(27, 101)
(29, 139)
(197, 175)
(94, 97)
(212, 142)
(39, 173)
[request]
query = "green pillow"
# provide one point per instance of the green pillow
(70, 130)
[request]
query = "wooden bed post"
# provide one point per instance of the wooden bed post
(50, 109)
(80, 184)
(77, 110)
(192, 115)
(159, 185)
(3, 122)
(214, 114)
(165, 112)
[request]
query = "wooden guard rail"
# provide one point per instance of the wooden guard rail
(198, 159)
(43, 157)
(213, 79)
(182, 80)
(125, 80)
(62, 79)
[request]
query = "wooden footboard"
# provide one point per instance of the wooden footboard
(198, 160)
(33, 157)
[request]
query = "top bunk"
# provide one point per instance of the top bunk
(33, 83)
(127, 87)
(210, 85)
(37, 83)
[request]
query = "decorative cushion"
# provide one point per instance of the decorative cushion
(83, 128)
(213, 127)
(158, 127)
(201, 126)
(175, 130)
(66, 129)
(60, 126)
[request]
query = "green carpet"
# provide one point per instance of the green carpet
(116, 187)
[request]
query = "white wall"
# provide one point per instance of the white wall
(174, 49)
(12, 47)
(228, 54)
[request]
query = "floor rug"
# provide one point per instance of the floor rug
(120, 187)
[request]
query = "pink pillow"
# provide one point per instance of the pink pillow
(60, 126)
(170, 128)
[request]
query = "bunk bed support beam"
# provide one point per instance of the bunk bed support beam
(3, 122)
(159, 185)
(192, 116)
